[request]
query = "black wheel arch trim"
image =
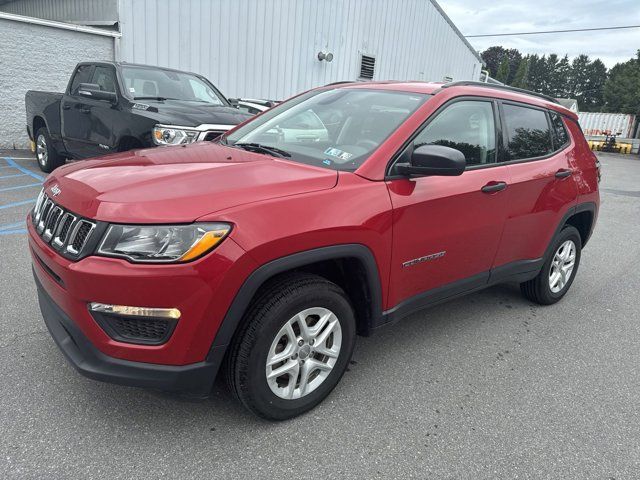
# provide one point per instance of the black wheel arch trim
(56, 138)
(579, 208)
(255, 280)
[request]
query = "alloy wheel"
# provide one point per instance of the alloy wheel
(562, 266)
(303, 353)
(41, 150)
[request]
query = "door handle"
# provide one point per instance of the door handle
(85, 110)
(564, 173)
(493, 187)
(66, 107)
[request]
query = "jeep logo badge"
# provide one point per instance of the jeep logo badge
(55, 190)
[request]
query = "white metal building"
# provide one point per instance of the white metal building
(248, 48)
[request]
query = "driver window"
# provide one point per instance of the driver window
(104, 77)
(82, 75)
(467, 126)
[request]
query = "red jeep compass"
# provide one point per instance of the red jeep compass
(331, 215)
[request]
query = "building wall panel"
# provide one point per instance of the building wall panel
(87, 12)
(35, 57)
(268, 48)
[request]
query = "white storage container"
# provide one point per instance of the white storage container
(594, 124)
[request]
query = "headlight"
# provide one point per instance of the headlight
(162, 243)
(173, 136)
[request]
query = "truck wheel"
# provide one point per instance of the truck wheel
(558, 271)
(48, 158)
(296, 343)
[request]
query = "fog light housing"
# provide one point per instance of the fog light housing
(137, 325)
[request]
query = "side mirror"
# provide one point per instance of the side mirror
(92, 90)
(234, 102)
(433, 160)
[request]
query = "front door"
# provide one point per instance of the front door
(76, 124)
(103, 114)
(446, 230)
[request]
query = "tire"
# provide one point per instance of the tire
(542, 289)
(48, 158)
(265, 335)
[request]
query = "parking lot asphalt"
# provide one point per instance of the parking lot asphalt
(487, 386)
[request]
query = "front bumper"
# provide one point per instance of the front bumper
(202, 290)
(196, 379)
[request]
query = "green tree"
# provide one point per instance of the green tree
(593, 96)
(579, 79)
(587, 81)
(534, 80)
(520, 79)
(622, 89)
(539, 75)
(493, 57)
(563, 72)
(503, 71)
(553, 83)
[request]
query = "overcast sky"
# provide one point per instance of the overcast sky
(504, 16)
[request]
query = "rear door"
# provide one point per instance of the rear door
(446, 229)
(539, 153)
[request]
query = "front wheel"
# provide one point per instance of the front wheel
(48, 158)
(296, 344)
(558, 271)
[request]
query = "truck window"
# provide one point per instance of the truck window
(149, 82)
(82, 75)
(104, 76)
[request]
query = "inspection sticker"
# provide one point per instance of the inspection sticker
(336, 152)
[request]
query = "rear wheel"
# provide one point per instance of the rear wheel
(48, 158)
(558, 271)
(295, 346)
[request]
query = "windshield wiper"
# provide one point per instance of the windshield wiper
(258, 147)
(161, 99)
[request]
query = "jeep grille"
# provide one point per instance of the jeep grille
(63, 230)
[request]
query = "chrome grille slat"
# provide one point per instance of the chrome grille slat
(53, 219)
(79, 236)
(44, 216)
(64, 227)
(64, 230)
(37, 210)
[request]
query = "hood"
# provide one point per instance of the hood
(192, 114)
(179, 184)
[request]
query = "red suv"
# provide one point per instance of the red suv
(331, 215)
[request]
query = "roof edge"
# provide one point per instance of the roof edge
(455, 29)
(61, 25)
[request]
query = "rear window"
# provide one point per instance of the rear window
(527, 132)
(560, 136)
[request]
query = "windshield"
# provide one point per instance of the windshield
(336, 129)
(152, 83)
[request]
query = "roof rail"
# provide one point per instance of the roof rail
(470, 83)
(341, 82)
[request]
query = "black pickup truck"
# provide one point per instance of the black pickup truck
(112, 107)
